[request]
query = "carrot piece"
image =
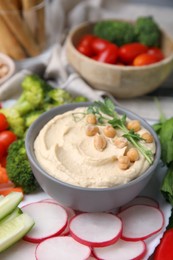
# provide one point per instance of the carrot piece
(3, 175)
(3, 161)
(5, 192)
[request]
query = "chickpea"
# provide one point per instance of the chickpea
(109, 131)
(147, 137)
(120, 142)
(92, 130)
(123, 162)
(91, 119)
(100, 142)
(133, 154)
(134, 124)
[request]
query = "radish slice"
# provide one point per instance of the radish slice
(50, 220)
(70, 213)
(61, 248)
(21, 250)
(122, 250)
(140, 222)
(141, 200)
(91, 258)
(96, 229)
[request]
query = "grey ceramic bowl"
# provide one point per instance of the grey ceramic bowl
(86, 199)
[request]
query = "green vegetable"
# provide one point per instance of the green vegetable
(106, 110)
(9, 203)
(117, 32)
(37, 97)
(147, 31)
(31, 117)
(14, 230)
(167, 185)
(19, 169)
(15, 213)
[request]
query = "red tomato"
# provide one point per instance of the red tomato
(99, 45)
(165, 249)
(6, 138)
(3, 122)
(109, 55)
(128, 52)
(145, 59)
(2, 151)
(85, 45)
(156, 52)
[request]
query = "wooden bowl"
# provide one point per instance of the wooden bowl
(121, 81)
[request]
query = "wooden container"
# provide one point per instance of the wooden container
(121, 81)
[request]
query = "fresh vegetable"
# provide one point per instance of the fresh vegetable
(122, 250)
(128, 52)
(133, 216)
(14, 230)
(15, 213)
(117, 32)
(18, 168)
(84, 45)
(62, 248)
(165, 250)
(2, 151)
(99, 45)
(164, 129)
(106, 227)
(141, 200)
(147, 31)
(7, 137)
(3, 175)
(108, 55)
(9, 203)
(6, 191)
(3, 122)
(145, 59)
(52, 214)
(107, 108)
(157, 52)
(37, 95)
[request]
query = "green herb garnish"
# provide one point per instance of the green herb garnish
(105, 112)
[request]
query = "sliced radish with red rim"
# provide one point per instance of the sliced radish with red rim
(50, 220)
(96, 229)
(62, 248)
(124, 250)
(141, 222)
(141, 200)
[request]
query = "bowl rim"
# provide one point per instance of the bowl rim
(124, 68)
(53, 112)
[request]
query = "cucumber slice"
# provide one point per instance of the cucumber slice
(12, 215)
(9, 203)
(14, 230)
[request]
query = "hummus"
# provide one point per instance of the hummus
(65, 151)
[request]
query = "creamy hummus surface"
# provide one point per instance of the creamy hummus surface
(65, 151)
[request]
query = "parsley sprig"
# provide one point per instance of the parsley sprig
(105, 112)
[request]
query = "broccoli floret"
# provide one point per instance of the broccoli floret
(19, 169)
(32, 97)
(59, 96)
(16, 122)
(118, 32)
(79, 99)
(31, 117)
(147, 31)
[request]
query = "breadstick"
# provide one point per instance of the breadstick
(20, 29)
(8, 43)
(35, 18)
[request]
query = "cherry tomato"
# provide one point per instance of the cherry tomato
(128, 52)
(99, 45)
(156, 52)
(3, 122)
(145, 59)
(2, 151)
(84, 45)
(109, 55)
(7, 137)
